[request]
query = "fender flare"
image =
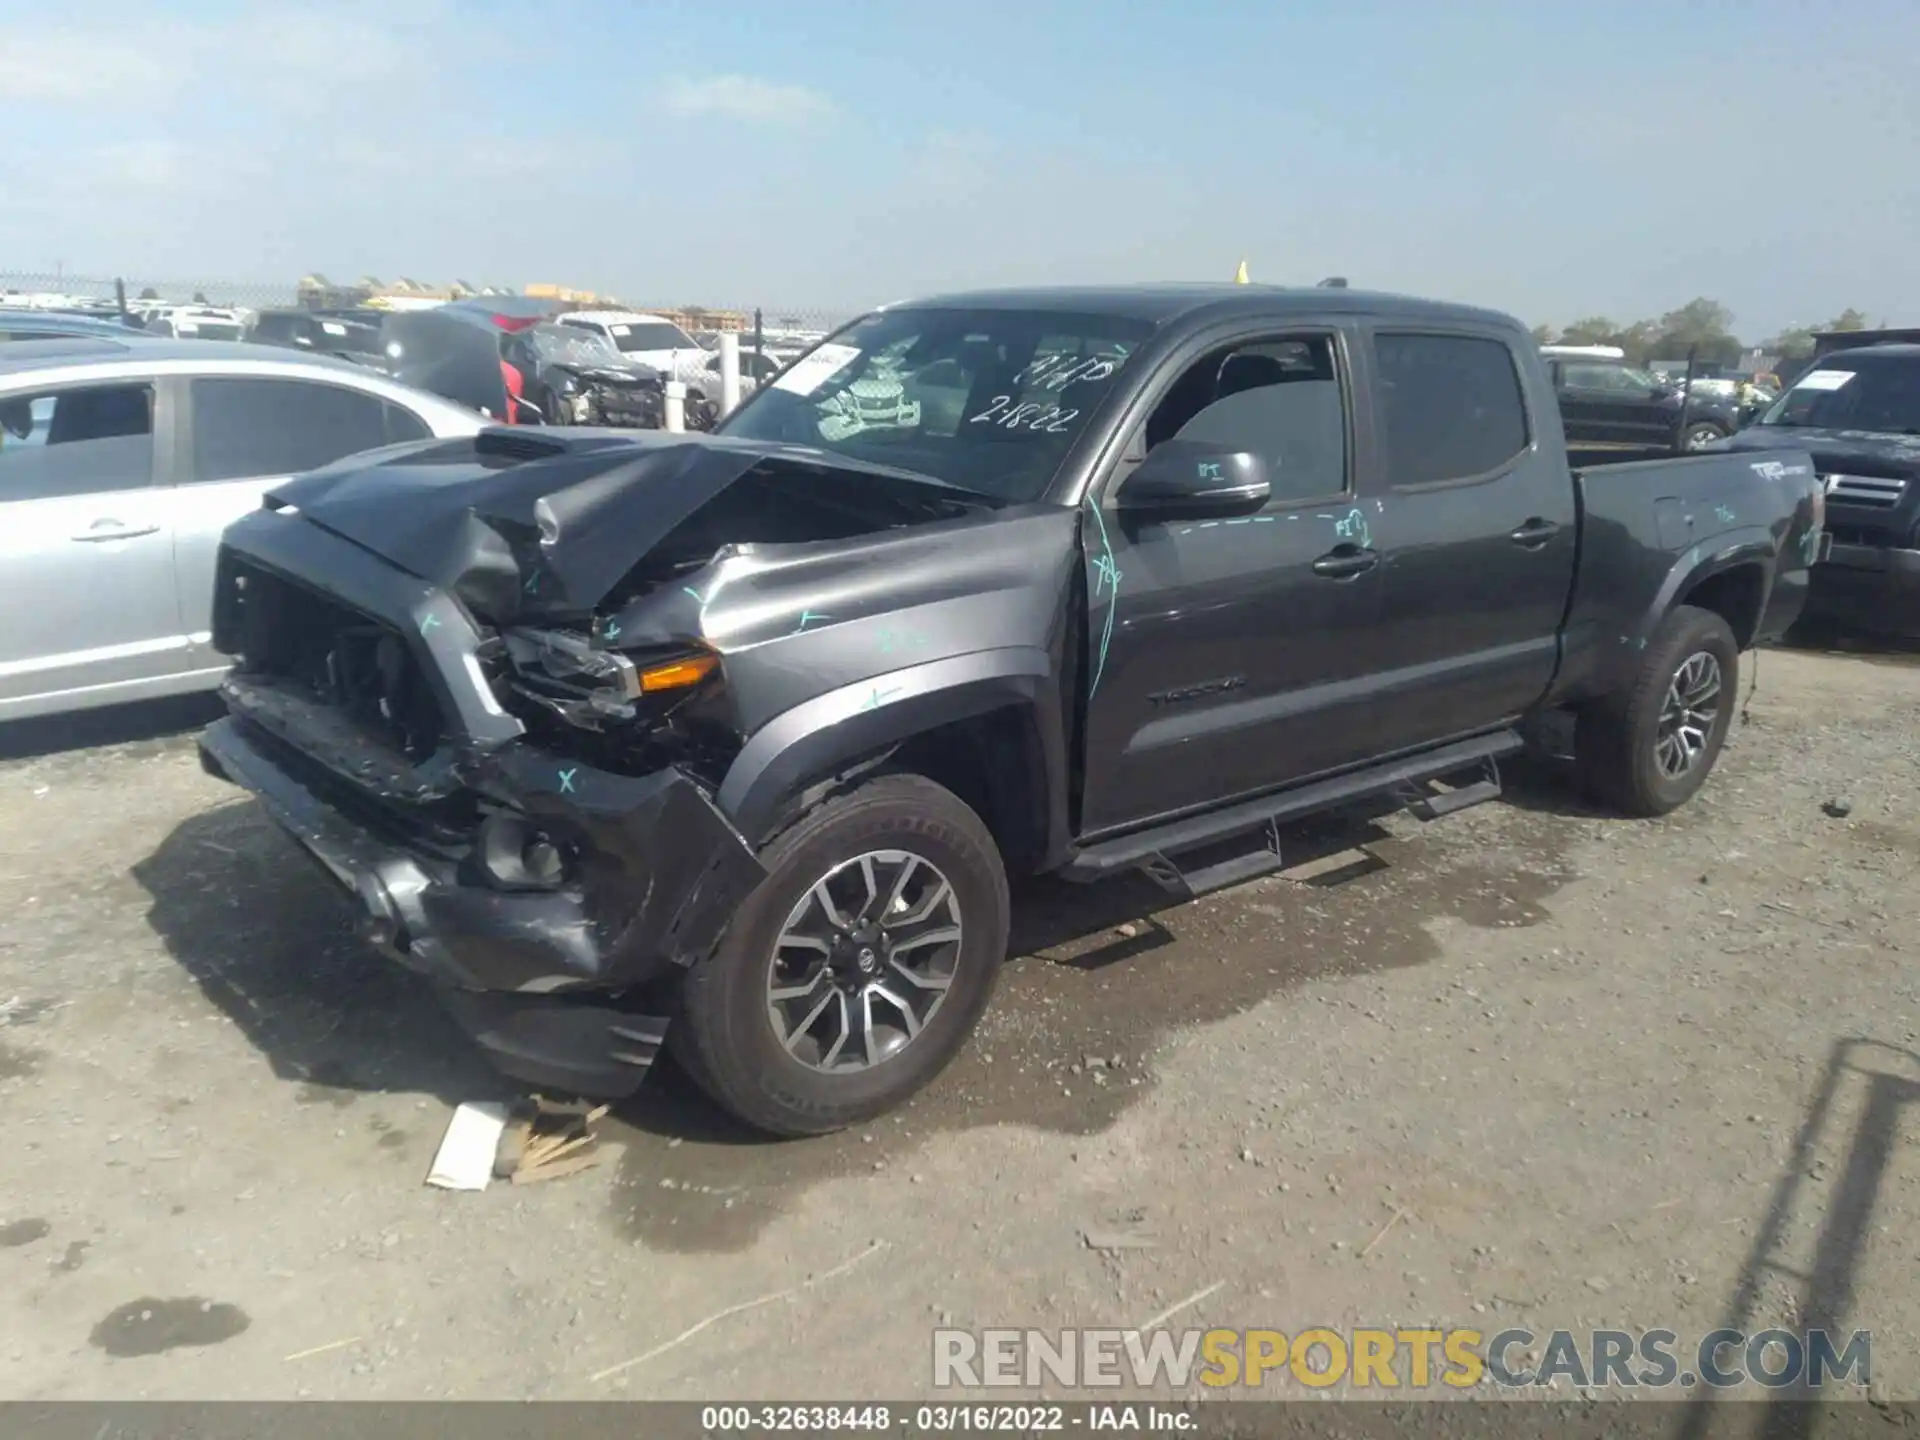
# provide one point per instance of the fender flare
(1748, 545)
(846, 724)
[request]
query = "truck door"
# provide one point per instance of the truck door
(1476, 534)
(1223, 654)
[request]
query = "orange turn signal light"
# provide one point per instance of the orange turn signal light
(678, 674)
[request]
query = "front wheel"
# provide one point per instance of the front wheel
(1647, 749)
(855, 972)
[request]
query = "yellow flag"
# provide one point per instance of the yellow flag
(1240, 275)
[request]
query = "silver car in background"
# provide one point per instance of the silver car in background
(121, 464)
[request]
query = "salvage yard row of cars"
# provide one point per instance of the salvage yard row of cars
(518, 359)
(730, 742)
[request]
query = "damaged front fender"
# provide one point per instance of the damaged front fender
(812, 739)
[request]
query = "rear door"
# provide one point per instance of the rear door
(86, 559)
(1477, 534)
(244, 434)
(1224, 655)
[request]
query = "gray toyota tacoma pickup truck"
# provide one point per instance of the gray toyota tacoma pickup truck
(730, 742)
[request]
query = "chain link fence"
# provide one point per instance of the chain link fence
(775, 328)
(63, 291)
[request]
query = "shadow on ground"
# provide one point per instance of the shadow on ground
(1838, 1203)
(268, 938)
(1102, 976)
(1818, 638)
(111, 725)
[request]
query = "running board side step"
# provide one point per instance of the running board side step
(1428, 802)
(1409, 779)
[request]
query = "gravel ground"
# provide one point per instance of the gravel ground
(1529, 1066)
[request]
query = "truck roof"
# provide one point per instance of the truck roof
(1880, 349)
(1158, 303)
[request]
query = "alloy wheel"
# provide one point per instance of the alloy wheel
(864, 961)
(1688, 714)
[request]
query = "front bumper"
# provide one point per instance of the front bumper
(546, 981)
(1874, 587)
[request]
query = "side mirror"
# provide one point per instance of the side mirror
(1187, 478)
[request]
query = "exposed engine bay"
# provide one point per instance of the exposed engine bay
(594, 576)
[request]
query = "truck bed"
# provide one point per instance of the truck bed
(1652, 529)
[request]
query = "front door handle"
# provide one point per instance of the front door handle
(115, 530)
(1344, 564)
(1534, 534)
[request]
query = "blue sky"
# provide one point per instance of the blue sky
(1555, 160)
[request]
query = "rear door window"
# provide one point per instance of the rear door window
(403, 424)
(77, 440)
(1451, 406)
(248, 427)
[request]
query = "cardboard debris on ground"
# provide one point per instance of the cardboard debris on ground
(555, 1140)
(541, 1139)
(465, 1158)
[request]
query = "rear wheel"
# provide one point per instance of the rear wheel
(1703, 433)
(855, 972)
(1649, 748)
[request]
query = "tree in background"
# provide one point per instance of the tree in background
(1701, 325)
(1594, 330)
(1796, 343)
(1635, 339)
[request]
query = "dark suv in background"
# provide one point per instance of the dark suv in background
(349, 334)
(1857, 410)
(1609, 402)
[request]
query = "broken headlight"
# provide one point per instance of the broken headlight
(585, 684)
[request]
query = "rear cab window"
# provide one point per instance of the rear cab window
(1451, 407)
(76, 440)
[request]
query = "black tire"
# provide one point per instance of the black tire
(1616, 739)
(1702, 432)
(721, 1034)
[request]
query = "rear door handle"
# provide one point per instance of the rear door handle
(1534, 533)
(115, 530)
(1345, 564)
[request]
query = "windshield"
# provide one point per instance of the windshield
(1881, 395)
(651, 335)
(988, 400)
(570, 345)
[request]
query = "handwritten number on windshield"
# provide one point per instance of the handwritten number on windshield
(1048, 418)
(1057, 372)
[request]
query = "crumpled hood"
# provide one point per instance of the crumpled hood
(1847, 452)
(628, 375)
(520, 523)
